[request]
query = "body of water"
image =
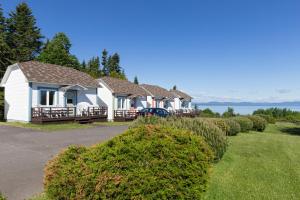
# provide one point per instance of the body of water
(244, 110)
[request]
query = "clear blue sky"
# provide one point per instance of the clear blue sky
(213, 49)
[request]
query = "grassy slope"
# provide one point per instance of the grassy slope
(259, 166)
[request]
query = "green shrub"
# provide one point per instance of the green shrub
(269, 118)
(147, 162)
(2, 197)
(221, 123)
(234, 127)
(259, 123)
(245, 123)
(213, 136)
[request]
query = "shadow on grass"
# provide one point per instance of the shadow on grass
(291, 131)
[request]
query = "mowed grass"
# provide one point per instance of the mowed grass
(61, 126)
(259, 166)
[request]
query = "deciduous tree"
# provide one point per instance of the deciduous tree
(57, 51)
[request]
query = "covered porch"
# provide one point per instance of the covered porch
(127, 107)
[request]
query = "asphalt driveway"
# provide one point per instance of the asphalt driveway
(24, 153)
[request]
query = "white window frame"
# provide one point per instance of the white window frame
(47, 97)
(122, 103)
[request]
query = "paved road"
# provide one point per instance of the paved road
(24, 153)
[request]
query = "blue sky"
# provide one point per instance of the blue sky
(223, 50)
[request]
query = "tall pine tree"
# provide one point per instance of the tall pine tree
(136, 81)
(94, 67)
(57, 51)
(5, 51)
(23, 36)
(104, 63)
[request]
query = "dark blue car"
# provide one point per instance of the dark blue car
(161, 112)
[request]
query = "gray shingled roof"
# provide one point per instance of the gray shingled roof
(48, 73)
(123, 87)
(181, 95)
(158, 92)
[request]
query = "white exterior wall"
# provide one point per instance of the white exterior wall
(17, 94)
(105, 98)
(87, 98)
(177, 103)
(141, 103)
(149, 100)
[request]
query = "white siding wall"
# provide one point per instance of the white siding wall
(177, 103)
(87, 98)
(141, 103)
(105, 98)
(149, 102)
(17, 92)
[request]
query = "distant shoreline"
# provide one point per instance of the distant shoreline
(280, 104)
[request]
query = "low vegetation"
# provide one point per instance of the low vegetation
(213, 135)
(259, 166)
(147, 162)
(157, 158)
(259, 123)
(280, 114)
(2, 196)
(245, 123)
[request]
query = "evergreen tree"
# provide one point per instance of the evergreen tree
(83, 65)
(104, 63)
(114, 63)
(5, 51)
(136, 81)
(57, 51)
(94, 67)
(174, 87)
(24, 37)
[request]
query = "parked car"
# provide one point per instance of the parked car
(161, 112)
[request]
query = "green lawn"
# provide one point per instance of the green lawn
(259, 166)
(62, 126)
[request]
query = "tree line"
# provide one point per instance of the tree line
(21, 40)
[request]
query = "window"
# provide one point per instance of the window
(47, 97)
(185, 104)
(43, 99)
(121, 102)
(166, 104)
(51, 98)
(157, 103)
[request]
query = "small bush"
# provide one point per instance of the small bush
(268, 118)
(221, 123)
(234, 127)
(213, 135)
(259, 123)
(147, 162)
(2, 197)
(245, 123)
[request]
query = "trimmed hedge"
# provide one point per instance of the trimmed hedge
(221, 123)
(213, 136)
(147, 162)
(234, 127)
(259, 123)
(270, 119)
(245, 123)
